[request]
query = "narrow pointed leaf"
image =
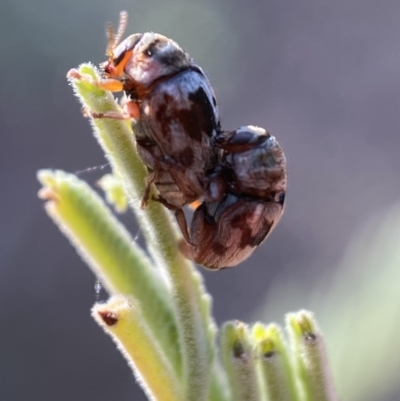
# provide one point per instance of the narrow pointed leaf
(121, 318)
(310, 357)
(111, 253)
(239, 362)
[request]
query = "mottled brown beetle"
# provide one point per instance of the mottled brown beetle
(174, 112)
(249, 197)
(239, 175)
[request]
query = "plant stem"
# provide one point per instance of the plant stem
(122, 319)
(239, 363)
(277, 374)
(310, 357)
(111, 253)
(117, 140)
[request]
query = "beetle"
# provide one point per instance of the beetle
(174, 114)
(238, 177)
(244, 205)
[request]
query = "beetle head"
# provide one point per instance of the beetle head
(142, 58)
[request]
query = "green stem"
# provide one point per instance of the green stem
(111, 253)
(219, 388)
(117, 140)
(122, 319)
(310, 357)
(277, 374)
(239, 362)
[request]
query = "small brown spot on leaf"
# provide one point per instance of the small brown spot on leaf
(310, 337)
(269, 354)
(109, 318)
(238, 350)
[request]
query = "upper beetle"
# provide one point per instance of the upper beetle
(174, 112)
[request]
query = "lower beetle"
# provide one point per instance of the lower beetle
(245, 200)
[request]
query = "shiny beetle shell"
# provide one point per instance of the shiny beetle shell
(252, 185)
(255, 163)
(225, 233)
(177, 116)
(240, 175)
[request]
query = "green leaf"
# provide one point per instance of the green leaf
(194, 322)
(276, 371)
(310, 357)
(239, 362)
(114, 191)
(111, 253)
(122, 319)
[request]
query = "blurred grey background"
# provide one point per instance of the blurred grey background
(323, 77)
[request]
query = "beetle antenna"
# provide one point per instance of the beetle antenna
(110, 39)
(123, 20)
(114, 39)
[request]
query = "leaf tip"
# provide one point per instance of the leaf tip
(303, 324)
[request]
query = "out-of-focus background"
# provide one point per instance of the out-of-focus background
(323, 77)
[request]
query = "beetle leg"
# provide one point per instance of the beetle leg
(148, 181)
(164, 202)
(130, 109)
(109, 84)
(179, 215)
(187, 249)
(182, 224)
(114, 115)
